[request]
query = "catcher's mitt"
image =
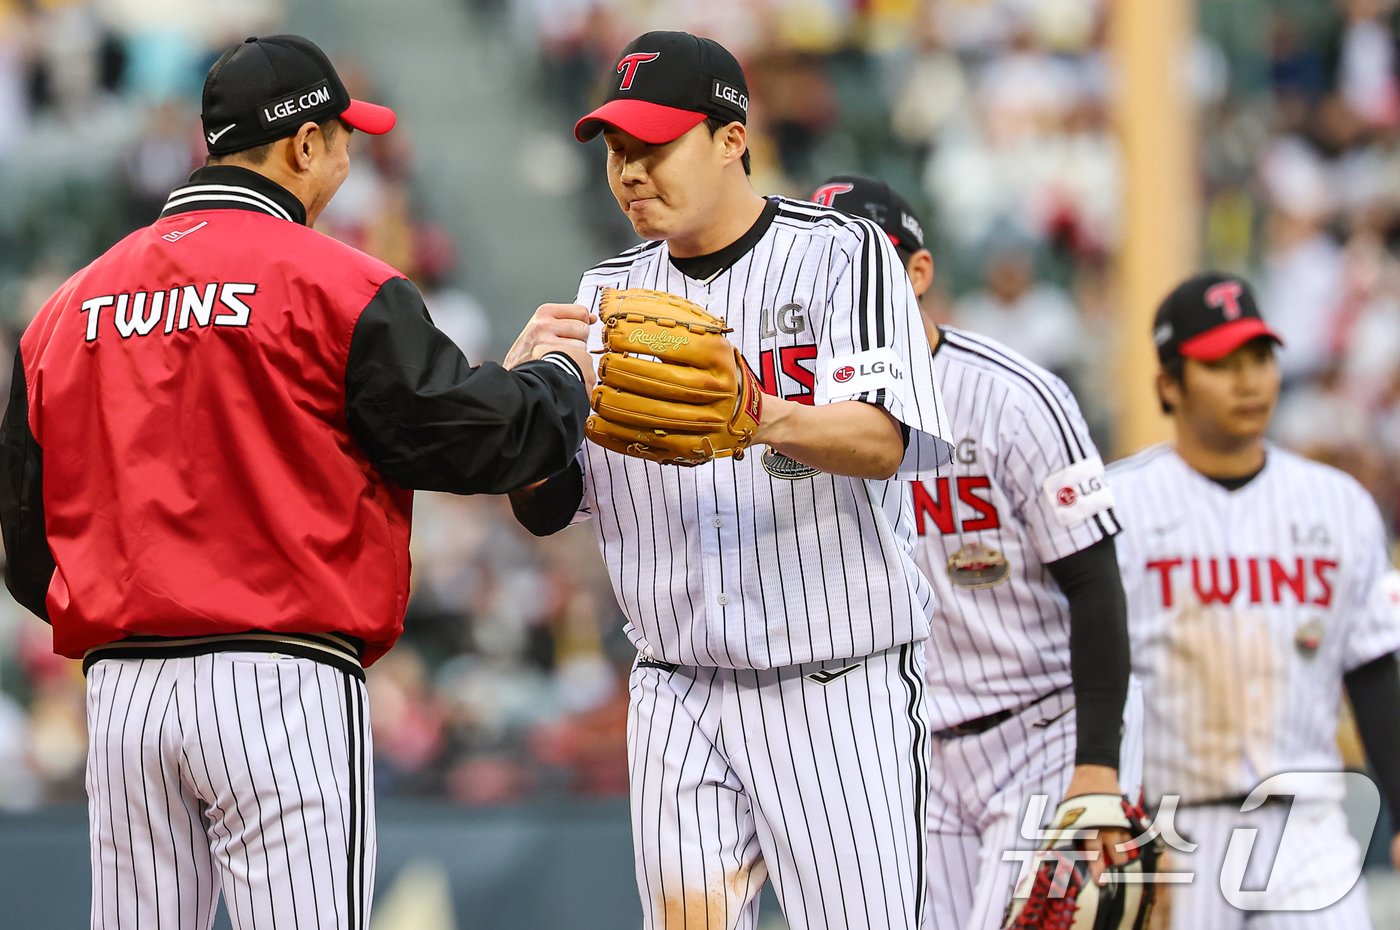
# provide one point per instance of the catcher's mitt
(1057, 893)
(671, 387)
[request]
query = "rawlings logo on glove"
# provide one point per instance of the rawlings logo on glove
(671, 386)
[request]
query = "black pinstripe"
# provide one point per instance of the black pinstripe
(915, 683)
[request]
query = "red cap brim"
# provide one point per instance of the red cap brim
(1226, 338)
(650, 122)
(369, 117)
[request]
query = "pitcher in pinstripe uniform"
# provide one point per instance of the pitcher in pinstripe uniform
(1028, 658)
(778, 724)
(1258, 587)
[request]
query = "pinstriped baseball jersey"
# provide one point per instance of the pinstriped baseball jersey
(1026, 487)
(758, 563)
(1246, 608)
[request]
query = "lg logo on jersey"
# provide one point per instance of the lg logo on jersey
(786, 319)
(1068, 496)
(138, 313)
(846, 372)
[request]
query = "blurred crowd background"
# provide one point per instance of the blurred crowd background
(991, 116)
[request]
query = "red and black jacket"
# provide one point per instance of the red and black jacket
(212, 429)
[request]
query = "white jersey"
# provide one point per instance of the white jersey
(1246, 608)
(759, 563)
(1026, 488)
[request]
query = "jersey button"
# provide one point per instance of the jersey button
(723, 599)
(716, 522)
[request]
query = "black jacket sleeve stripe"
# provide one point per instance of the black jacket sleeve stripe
(431, 421)
(29, 564)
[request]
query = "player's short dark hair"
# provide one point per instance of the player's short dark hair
(259, 153)
(1175, 370)
(715, 124)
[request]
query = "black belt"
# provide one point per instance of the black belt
(334, 649)
(644, 662)
(983, 724)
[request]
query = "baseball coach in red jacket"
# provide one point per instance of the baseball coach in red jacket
(206, 474)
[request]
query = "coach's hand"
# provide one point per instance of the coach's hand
(1100, 779)
(555, 328)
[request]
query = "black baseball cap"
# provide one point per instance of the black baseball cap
(1208, 316)
(875, 200)
(666, 83)
(266, 88)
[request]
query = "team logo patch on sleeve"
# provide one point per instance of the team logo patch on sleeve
(1078, 492)
(850, 376)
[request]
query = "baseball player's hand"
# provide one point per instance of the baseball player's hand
(1100, 779)
(1395, 852)
(555, 328)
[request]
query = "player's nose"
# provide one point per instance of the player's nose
(633, 172)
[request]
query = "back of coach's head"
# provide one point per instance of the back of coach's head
(276, 105)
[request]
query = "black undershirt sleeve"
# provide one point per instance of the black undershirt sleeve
(1374, 691)
(29, 564)
(431, 421)
(1098, 645)
(546, 508)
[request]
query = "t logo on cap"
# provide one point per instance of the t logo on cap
(688, 79)
(827, 193)
(1206, 317)
(629, 64)
(1225, 297)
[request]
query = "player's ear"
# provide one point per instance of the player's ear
(736, 141)
(1169, 390)
(303, 146)
(920, 268)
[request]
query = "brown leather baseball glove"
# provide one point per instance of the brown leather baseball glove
(671, 386)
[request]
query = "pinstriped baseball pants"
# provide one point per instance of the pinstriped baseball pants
(235, 772)
(982, 786)
(814, 775)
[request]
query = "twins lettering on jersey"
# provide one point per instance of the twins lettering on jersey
(138, 313)
(954, 505)
(1245, 580)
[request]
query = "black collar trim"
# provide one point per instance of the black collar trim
(229, 187)
(1234, 484)
(706, 267)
